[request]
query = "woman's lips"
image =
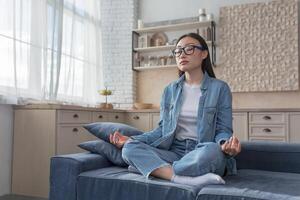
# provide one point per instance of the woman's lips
(184, 62)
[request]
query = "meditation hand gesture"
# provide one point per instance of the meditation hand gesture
(231, 147)
(118, 139)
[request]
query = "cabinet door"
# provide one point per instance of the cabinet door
(294, 127)
(68, 137)
(116, 117)
(154, 121)
(34, 145)
(140, 121)
(240, 125)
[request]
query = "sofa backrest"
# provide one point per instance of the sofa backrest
(270, 156)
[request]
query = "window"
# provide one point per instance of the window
(50, 50)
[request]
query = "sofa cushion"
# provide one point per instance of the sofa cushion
(107, 150)
(102, 130)
(255, 184)
(270, 156)
(116, 183)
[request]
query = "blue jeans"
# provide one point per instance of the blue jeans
(186, 157)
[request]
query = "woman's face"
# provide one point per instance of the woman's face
(188, 63)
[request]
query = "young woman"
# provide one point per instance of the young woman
(193, 144)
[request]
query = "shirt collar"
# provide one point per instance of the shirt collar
(204, 83)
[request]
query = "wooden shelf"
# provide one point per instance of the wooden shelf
(160, 48)
(172, 27)
(155, 67)
(157, 48)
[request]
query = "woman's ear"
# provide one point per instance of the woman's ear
(204, 54)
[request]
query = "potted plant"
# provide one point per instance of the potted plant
(106, 92)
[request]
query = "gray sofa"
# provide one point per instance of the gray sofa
(266, 170)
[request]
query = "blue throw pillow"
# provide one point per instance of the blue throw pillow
(107, 150)
(102, 130)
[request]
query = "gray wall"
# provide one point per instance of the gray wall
(6, 132)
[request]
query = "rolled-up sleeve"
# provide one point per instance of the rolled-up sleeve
(224, 115)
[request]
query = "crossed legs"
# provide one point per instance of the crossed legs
(198, 167)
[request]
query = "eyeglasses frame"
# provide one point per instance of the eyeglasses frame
(200, 47)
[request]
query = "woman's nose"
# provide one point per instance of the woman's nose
(182, 55)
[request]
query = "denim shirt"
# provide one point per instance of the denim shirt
(214, 117)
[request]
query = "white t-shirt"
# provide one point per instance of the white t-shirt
(187, 120)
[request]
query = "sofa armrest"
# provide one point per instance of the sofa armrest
(64, 170)
(270, 156)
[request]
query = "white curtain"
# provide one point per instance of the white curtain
(50, 50)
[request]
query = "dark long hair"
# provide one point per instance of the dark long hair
(206, 65)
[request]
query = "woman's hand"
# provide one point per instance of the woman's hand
(231, 147)
(118, 139)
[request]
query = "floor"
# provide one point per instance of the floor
(18, 197)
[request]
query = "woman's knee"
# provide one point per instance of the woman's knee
(211, 149)
(213, 157)
(207, 157)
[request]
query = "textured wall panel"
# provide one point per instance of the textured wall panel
(259, 46)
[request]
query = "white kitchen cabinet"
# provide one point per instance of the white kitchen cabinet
(138, 120)
(271, 126)
(118, 117)
(240, 125)
(294, 126)
(42, 133)
(154, 120)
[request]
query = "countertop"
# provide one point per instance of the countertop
(75, 107)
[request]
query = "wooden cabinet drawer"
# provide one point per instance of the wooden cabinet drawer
(66, 116)
(99, 117)
(271, 139)
(270, 130)
(266, 118)
(116, 117)
(140, 121)
(68, 137)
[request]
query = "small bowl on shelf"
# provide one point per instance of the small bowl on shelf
(139, 106)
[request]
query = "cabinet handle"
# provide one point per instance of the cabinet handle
(267, 130)
(75, 116)
(267, 117)
(75, 130)
(116, 117)
(136, 117)
(100, 116)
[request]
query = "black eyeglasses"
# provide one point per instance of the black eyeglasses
(188, 50)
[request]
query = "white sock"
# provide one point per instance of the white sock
(198, 181)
